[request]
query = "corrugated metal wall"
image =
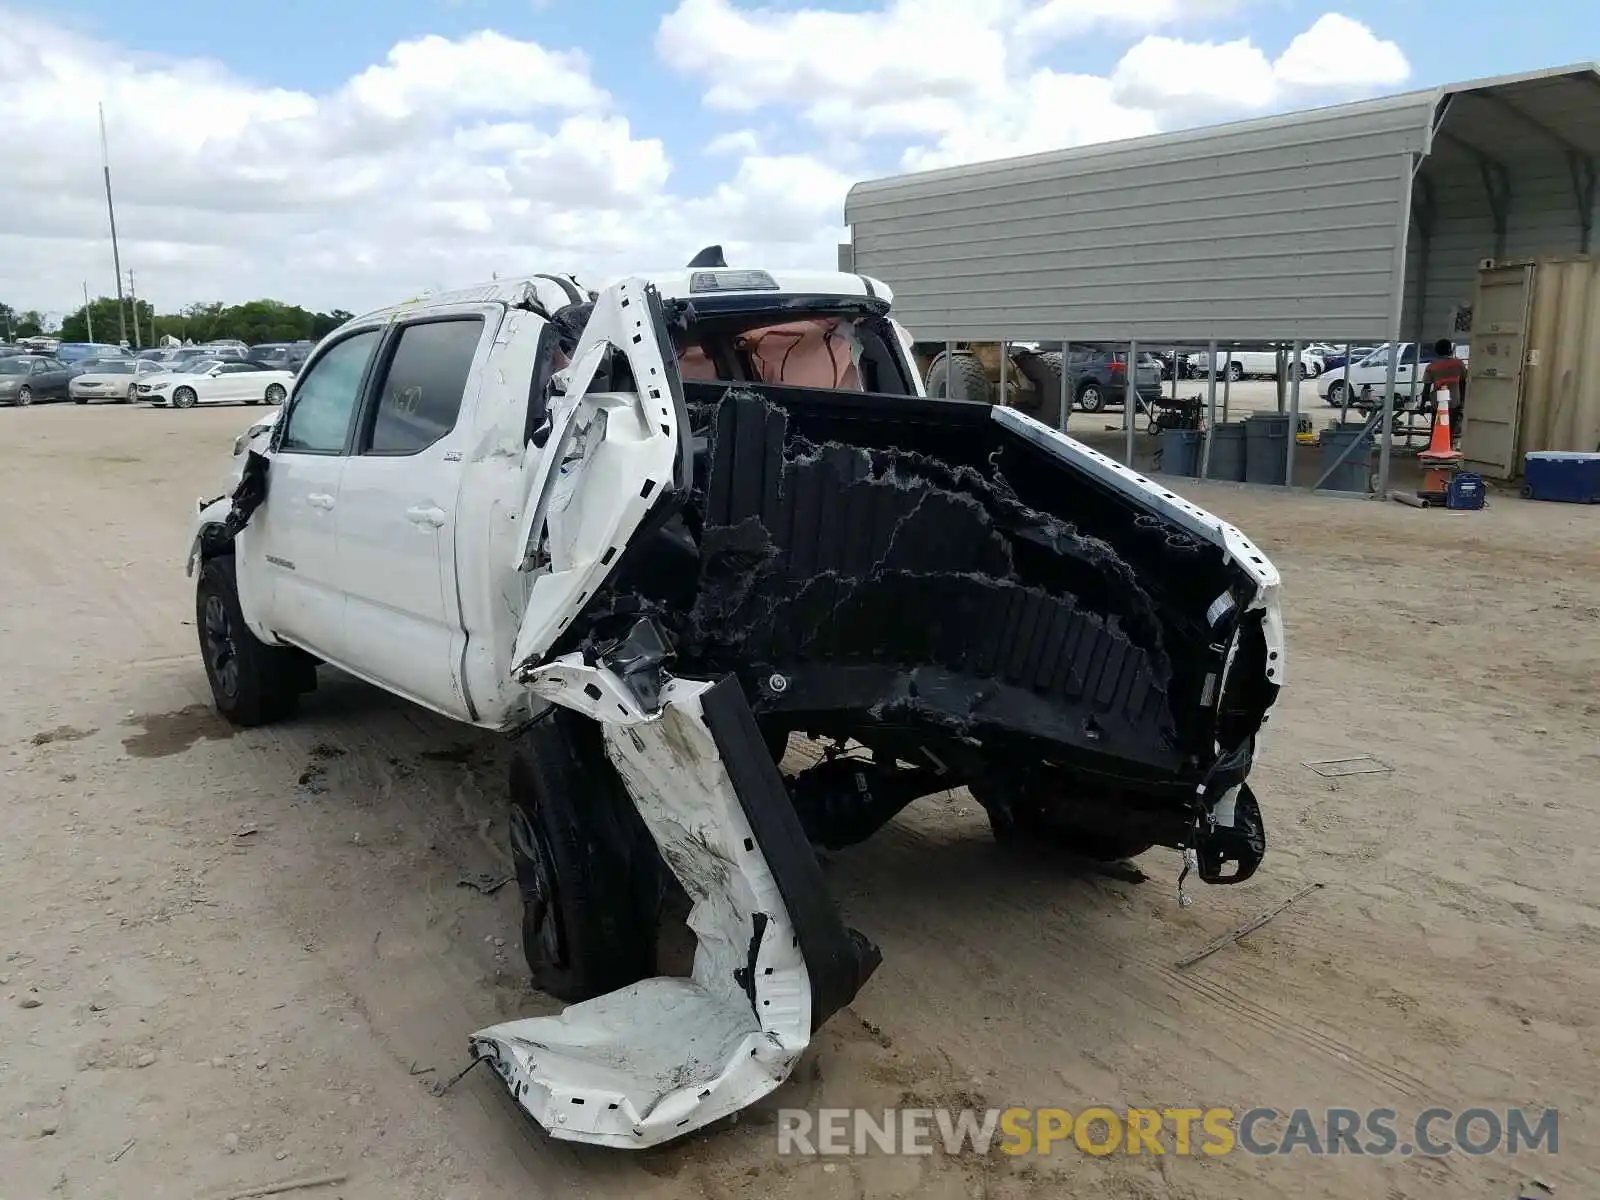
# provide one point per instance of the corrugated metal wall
(1561, 384)
(1187, 237)
(1541, 220)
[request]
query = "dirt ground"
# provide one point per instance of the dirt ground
(234, 959)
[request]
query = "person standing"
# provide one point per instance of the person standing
(1447, 373)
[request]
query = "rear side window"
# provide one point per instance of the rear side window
(325, 399)
(420, 396)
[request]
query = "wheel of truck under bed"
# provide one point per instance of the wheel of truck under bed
(970, 383)
(1030, 827)
(252, 683)
(588, 871)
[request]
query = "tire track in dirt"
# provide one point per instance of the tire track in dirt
(1123, 970)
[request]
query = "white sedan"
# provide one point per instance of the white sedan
(112, 379)
(211, 381)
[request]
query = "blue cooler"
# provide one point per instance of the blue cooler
(1570, 476)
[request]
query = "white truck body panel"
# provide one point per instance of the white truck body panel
(648, 1063)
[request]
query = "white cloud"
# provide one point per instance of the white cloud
(1335, 54)
(447, 162)
(1045, 112)
(1060, 18)
(1338, 51)
(955, 81)
(913, 50)
(1165, 74)
(781, 198)
(484, 72)
(738, 141)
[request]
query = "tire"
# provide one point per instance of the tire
(1043, 370)
(970, 380)
(1236, 371)
(80, 399)
(131, 397)
(276, 394)
(25, 396)
(1028, 829)
(589, 874)
(1091, 398)
(184, 397)
(1336, 393)
(252, 683)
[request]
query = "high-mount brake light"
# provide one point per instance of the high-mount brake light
(731, 281)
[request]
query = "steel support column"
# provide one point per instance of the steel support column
(1408, 174)
(1294, 417)
(1130, 402)
(1066, 383)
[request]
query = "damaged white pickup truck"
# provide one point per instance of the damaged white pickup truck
(652, 534)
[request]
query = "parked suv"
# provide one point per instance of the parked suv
(1099, 377)
(285, 356)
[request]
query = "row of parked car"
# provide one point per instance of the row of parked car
(179, 377)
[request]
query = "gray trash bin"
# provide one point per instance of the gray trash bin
(1180, 452)
(1355, 473)
(1227, 452)
(1266, 448)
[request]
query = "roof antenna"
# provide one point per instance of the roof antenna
(711, 256)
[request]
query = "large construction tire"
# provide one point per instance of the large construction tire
(970, 381)
(1044, 371)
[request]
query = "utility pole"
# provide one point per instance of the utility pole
(88, 313)
(111, 214)
(133, 296)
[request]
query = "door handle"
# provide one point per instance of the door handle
(320, 500)
(425, 516)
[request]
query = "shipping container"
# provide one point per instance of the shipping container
(1534, 381)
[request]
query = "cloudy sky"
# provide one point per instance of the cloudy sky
(347, 154)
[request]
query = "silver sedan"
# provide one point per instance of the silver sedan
(112, 379)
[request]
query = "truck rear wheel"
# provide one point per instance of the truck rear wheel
(252, 683)
(588, 871)
(1022, 823)
(970, 383)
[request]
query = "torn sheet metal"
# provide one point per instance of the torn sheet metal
(664, 1056)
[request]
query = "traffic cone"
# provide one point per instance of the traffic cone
(1441, 457)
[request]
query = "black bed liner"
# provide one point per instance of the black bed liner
(920, 564)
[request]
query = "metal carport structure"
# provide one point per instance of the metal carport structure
(1356, 222)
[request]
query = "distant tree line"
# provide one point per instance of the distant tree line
(252, 322)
